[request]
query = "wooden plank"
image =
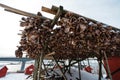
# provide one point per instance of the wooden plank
(47, 10)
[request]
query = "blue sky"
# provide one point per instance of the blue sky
(106, 11)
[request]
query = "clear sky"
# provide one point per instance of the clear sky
(106, 11)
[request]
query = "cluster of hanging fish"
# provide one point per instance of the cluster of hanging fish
(71, 37)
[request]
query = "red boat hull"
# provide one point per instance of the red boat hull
(3, 71)
(114, 64)
(29, 70)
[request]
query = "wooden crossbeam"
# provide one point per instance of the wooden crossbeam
(10, 9)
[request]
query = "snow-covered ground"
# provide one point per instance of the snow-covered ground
(15, 76)
(13, 67)
(75, 75)
(84, 76)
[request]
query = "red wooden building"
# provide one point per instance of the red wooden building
(114, 65)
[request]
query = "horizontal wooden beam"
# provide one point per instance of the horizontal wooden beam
(48, 10)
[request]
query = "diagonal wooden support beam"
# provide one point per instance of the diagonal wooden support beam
(107, 65)
(58, 14)
(60, 68)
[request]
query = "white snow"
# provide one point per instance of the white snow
(15, 76)
(84, 75)
(21, 76)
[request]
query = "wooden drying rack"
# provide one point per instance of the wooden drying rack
(58, 12)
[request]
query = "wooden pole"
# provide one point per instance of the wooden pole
(17, 11)
(35, 73)
(40, 66)
(100, 68)
(20, 12)
(88, 62)
(79, 71)
(107, 65)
